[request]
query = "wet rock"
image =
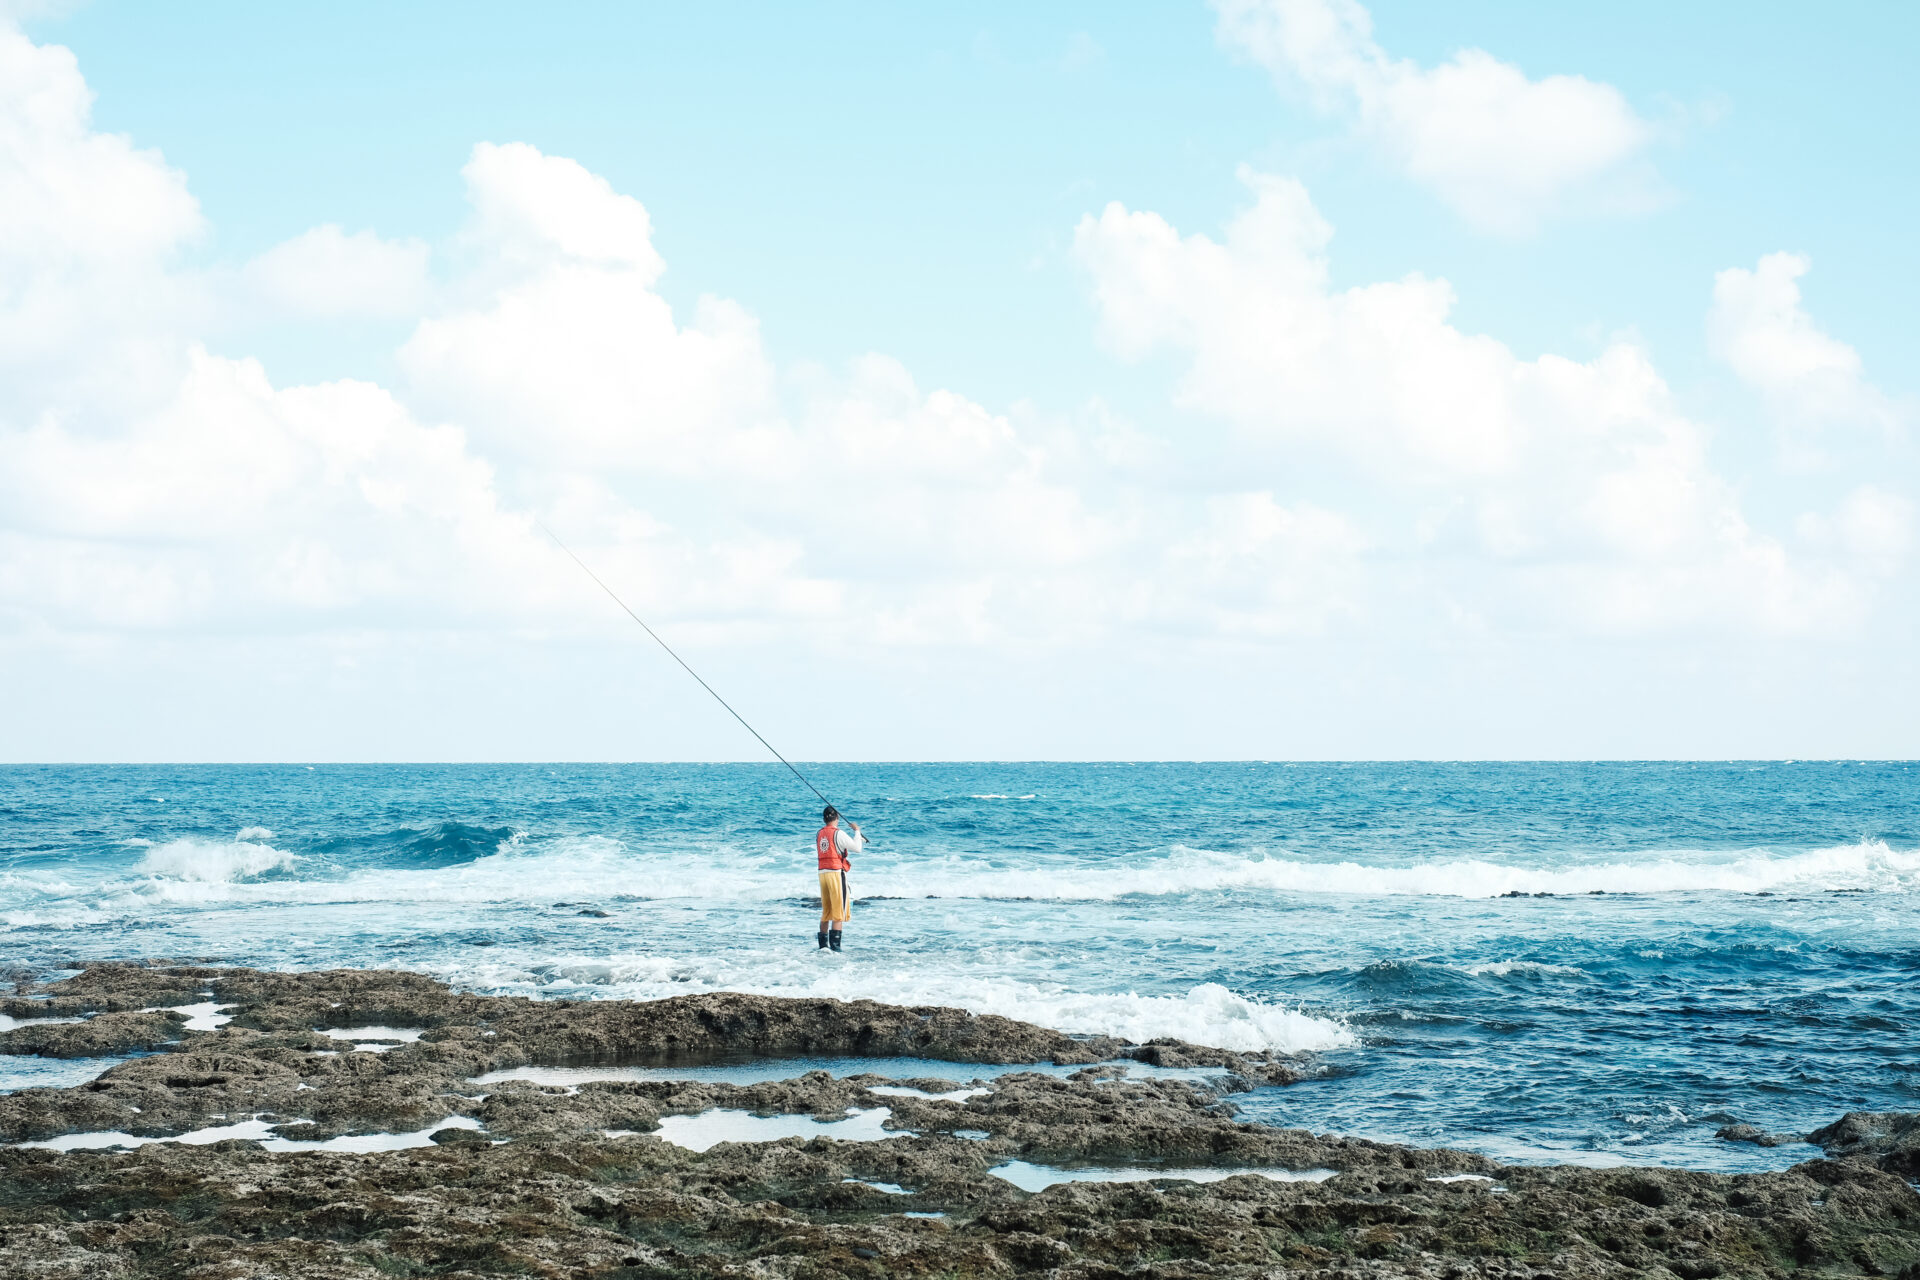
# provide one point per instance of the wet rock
(1743, 1132)
(521, 1110)
(114, 988)
(302, 1131)
(548, 1191)
(1256, 1068)
(704, 1027)
(1891, 1138)
(274, 1060)
(103, 1035)
(451, 1137)
(338, 998)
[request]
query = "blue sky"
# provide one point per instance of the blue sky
(930, 186)
(836, 165)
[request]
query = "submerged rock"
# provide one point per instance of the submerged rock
(1740, 1131)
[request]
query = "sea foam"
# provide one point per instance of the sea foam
(1208, 1013)
(604, 867)
(601, 868)
(214, 861)
(1522, 969)
(1869, 865)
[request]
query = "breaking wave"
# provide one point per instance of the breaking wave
(452, 843)
(446, 864)
(214, 861)
(1207, 1014)
(1522, 969)
(1869, 865)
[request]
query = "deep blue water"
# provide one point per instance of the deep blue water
(1721, 940)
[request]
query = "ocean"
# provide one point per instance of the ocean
(1599, 963)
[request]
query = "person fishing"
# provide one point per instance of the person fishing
(833, 845)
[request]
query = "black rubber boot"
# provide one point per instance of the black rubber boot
(822, 935)
(833, 939)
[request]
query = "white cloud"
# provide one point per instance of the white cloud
(1502, 150)
(1257, 568)
(565, 355)
(325, 272)
(531, 209)
(1372, 371)
(89, 224)
(1582, 477)
(1871, 523)
(239, 505)
(552, 378)
(71, 192)
(1874, 522)
(1759, 328)
(1387, 475)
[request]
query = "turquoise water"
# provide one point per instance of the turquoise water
(1720, 941)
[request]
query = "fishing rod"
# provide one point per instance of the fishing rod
(682, 661)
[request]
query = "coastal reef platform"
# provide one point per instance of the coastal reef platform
(246, 1123)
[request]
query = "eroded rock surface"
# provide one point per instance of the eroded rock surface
(546, 1190)
(100, 1036)
(1890, 1139)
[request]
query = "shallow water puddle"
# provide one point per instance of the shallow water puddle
(262, 1132)
(362, 1036)
(1038, 1177)
(890, 1188)
(205, 1016)
(709, 1128)
(765, 1069)
(1146, 1071)
(9, 1023)
(903, 1091)
(24, 1072)
(200, 1017)
(1461, 1177)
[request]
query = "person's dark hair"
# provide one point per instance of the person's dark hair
(829, 814)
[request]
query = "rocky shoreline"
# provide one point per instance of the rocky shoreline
(512, 1177)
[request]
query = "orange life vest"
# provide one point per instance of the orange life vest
(828, 848)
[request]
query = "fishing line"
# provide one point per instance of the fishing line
(682, 661)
